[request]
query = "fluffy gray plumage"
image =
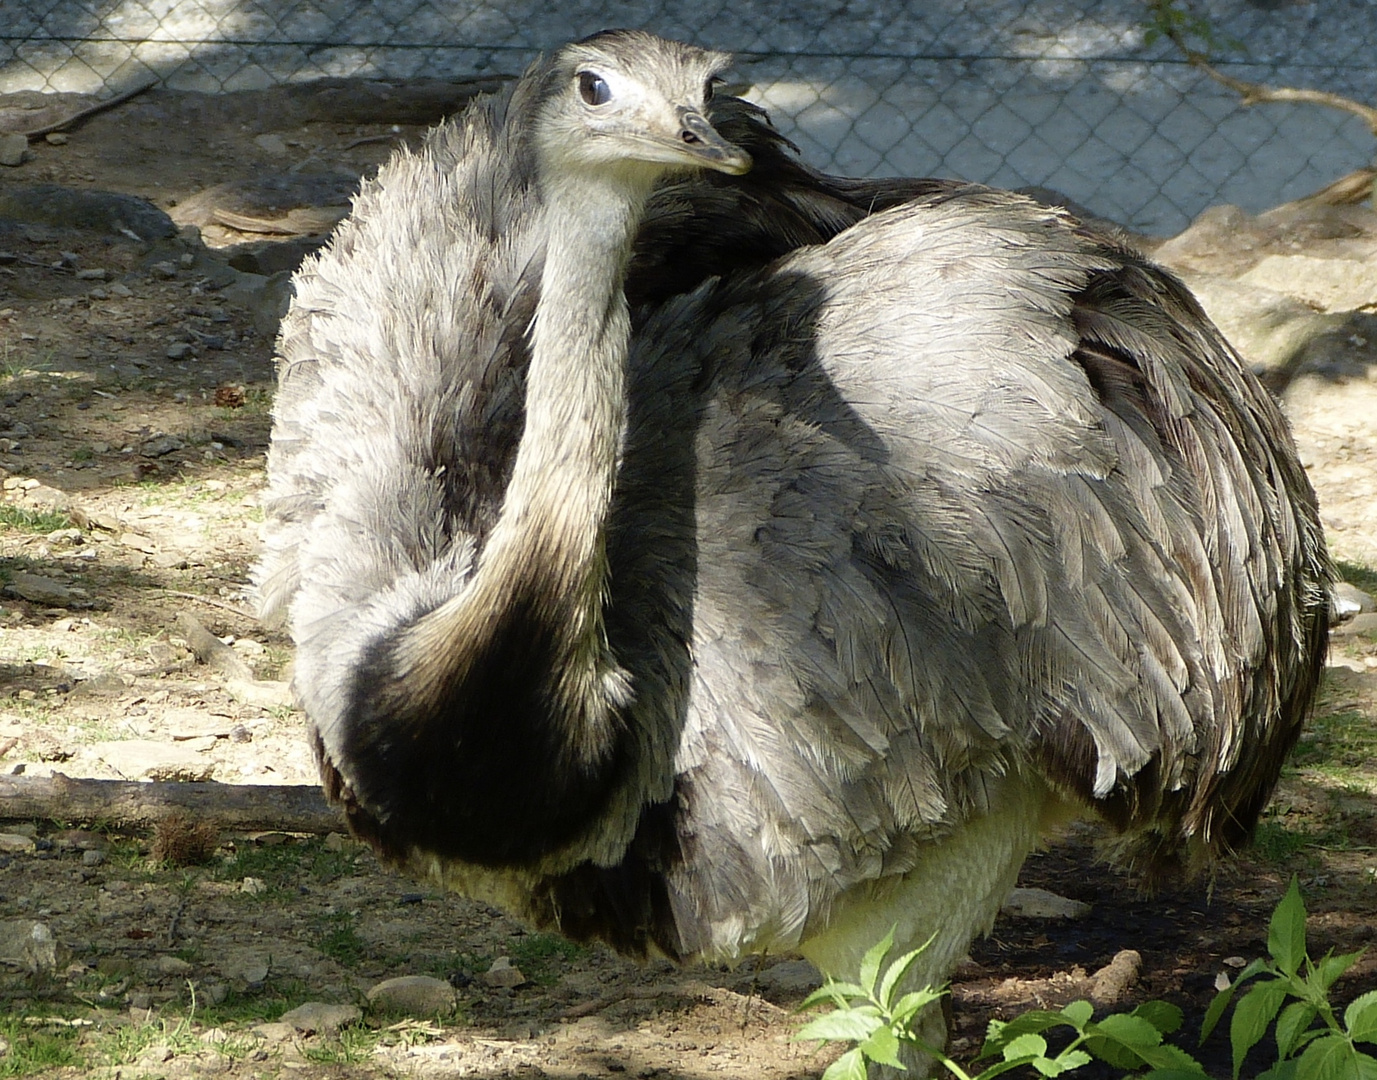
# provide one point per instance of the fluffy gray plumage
(931, 516)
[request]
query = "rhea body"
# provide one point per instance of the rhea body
(796, 601)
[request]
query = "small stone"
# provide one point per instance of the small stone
(1041, 904)
(414, 995)
(138, 542)
(171, 965)
(162, 446)
(146, 759)
(141, 1000)
(28, 944)
(120, 289)
(13, 149)
(787, 979)
(55, 138)
(319, 1017)
(95, 273)
(275, 1033)
(216, 992)
(271, 143)
(39, 590)
(180, 350)
(253, 886)
(1348, 600)
(79, 840)
(92, 858)
(503, 974)
(248, 971)
(1366, 623)
(165, 270)
(16, 843)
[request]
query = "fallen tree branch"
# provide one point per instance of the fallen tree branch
(90, 110)
(1179, 25)
(210, 650)
(1257, 94)
(286, 807)
(222, 605)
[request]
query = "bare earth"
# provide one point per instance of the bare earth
(133, 425)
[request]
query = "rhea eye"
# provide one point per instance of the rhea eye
(594, 89)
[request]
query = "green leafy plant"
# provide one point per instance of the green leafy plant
(879, 1019)
(1312, 1042)
(1304, 1050)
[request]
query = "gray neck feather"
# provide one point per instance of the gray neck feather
(547, 545)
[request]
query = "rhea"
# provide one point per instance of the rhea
(889, 525)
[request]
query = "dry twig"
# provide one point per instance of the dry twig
(90, 110)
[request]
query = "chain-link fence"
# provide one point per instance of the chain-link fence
(1056, 93)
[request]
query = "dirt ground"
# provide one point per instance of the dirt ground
(135, 384)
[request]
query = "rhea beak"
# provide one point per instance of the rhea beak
(707, 148)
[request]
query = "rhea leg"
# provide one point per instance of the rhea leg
(950, 896)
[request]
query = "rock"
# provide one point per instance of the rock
(249, 970)
(138, 542)
(787, 979)
(252, 886)
(92, 858)
(319, 1017)
(414, 995)
(166, 270)
(503, 973)
(179, 350)
(49, 498)
(264, 694)
(164, 444)
(96, 211)
(275, 1033)
(14, 148)
(1366, 623)
(1328, 284)
(1346, 350)
(80, 840)
(1041, 904)
(171, 965)
(266, 299)
(1223, 240)
(108, 684)
(39, 590)
(28, 945)
(144, 759)
(1349, 600)
(215, 993)
(1270, 329)
(270, 143)
(16, 843)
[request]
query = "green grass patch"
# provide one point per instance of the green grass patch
(354, 1045)
(282, 867)
(542, 956)
(1357, 574)
(1341, 746)
(35, 1046)
(1275, 843)
(238, 1010)
(41, 522)
(337, 937)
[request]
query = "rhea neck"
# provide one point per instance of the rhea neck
(544, 557)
